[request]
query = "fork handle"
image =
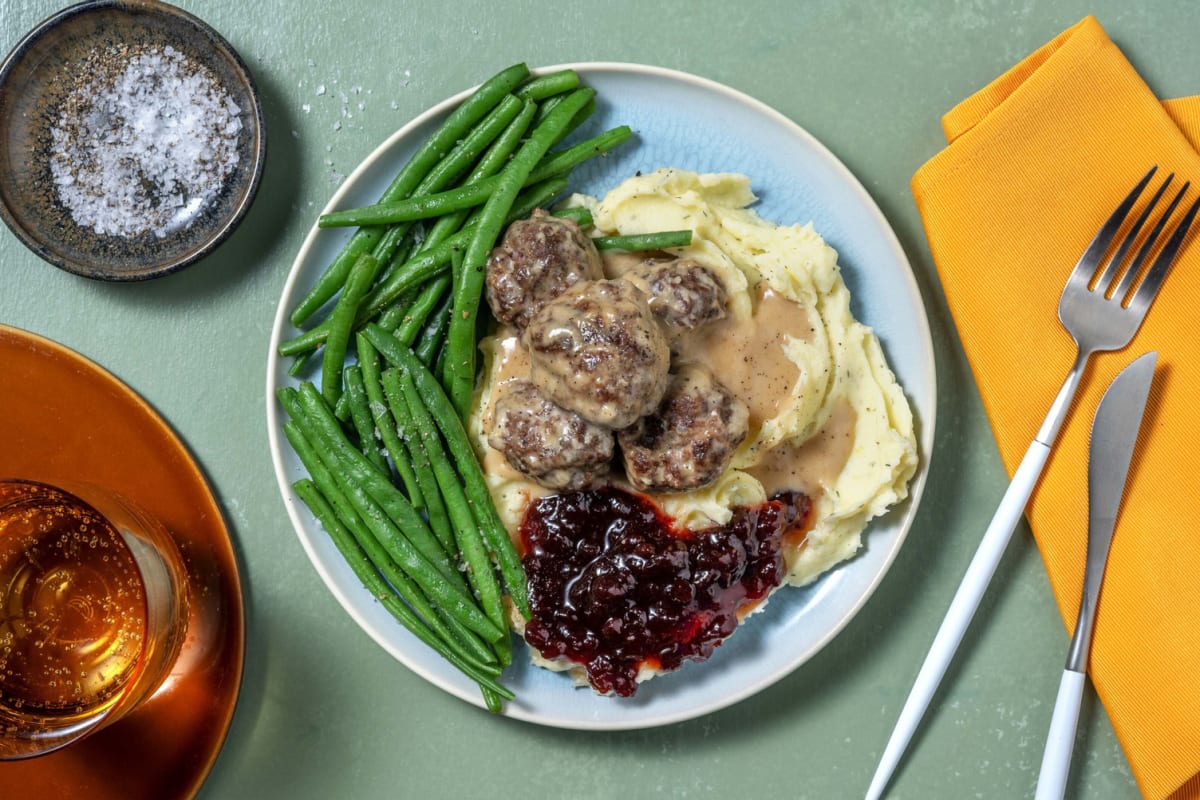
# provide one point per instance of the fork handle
(1060, 743)
(962, 609)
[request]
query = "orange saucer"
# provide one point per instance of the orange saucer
(64, 418)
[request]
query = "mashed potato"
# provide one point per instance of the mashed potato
(827, 416)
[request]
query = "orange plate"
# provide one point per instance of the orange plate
(62, 417)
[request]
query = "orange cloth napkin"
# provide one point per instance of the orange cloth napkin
(1036, 161)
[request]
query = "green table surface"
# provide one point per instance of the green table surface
(323, 711)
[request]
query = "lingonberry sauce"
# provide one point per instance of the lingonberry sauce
(613, 584)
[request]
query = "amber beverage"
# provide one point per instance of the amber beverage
(93, 612)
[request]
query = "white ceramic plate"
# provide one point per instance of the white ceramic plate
(691, 123)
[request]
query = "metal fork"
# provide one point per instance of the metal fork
(1102, 309)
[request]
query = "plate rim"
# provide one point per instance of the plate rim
(925, 422)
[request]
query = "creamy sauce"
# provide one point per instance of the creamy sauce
(747, 355)
(617, 263)
(510, 363)
(812, 465)
(512, 360)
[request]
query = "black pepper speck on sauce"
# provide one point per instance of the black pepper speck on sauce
(614, 585)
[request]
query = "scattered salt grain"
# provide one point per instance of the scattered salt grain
(143, 141)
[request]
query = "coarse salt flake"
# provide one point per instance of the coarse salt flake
(143, 142)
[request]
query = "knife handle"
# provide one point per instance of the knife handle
(1056, 760)
(962, 609)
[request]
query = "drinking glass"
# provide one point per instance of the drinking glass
(93, 612)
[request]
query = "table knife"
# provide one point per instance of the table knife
(1114, 433)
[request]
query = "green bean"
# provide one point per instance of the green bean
(439, 364)
(355, 478)
(556, 163)
(581, 215)
(364, 423)
(342, 410)
(368, 363)
(461, 338)
(406, 446)
(432, 263)
(381, 491)
(460, 158)
(544, 86)
(423, 267)
(341, 321)
(434, 205)
(545, 107)
(644, 241)
(401, 389)
(433, 335)
(392, 314)
(466, 152)
(299, 364)
(491, 700)
(396, 313)
(352, 469)
(448, 597)
(454, 128)
(463, 635)
(537, 195)
(405, 320)
(412, 274)
(504, 146)
(466, 532)
(468, 648)
(381, 591)
(424, 311)
(503, 650)
(492, 162)
(400, 255)
(580, 117)
(448, 421)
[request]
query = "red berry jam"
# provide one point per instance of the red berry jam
(613, 584)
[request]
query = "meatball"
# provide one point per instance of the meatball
(683, 293)
(688, 442)
(537, 260)
(557, 448)
(597, 350)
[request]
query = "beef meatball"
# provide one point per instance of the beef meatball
(597, 350)
(684, 294)
(557, 448)
(688, 442)
(538, 259)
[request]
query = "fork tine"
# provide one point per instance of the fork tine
(1086, 267)
(1144, 253)
(1148, 289)
(1113, 267)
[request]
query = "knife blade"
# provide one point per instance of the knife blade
(1114, 435)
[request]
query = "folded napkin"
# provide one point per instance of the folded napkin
(1036, 161)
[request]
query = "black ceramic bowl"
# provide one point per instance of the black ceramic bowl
(132, 139)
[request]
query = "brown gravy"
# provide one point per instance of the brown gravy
(747, 355)
(511, 362)
(811, 465)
